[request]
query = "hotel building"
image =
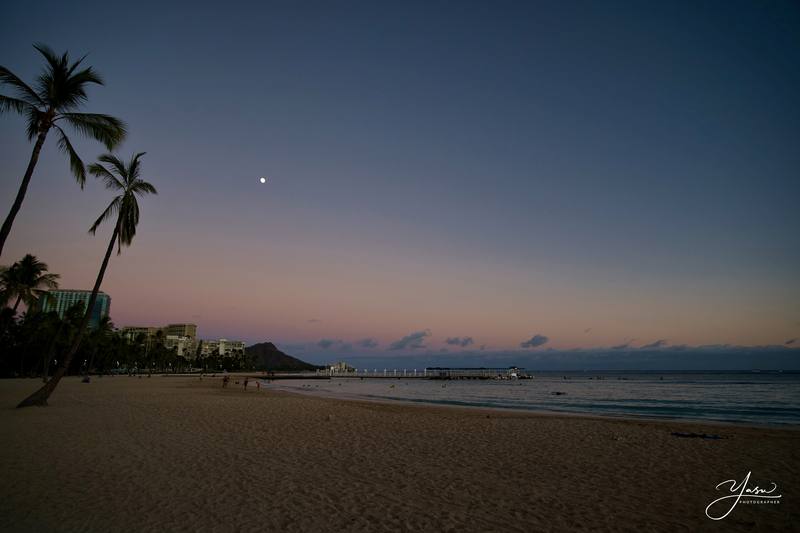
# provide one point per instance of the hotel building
(223, 348)
(150, 332)
(184, 346)
(61, 300)
(183, 339)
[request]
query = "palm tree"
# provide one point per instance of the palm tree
(126, 207)
(24, 280)
(60, 91)
(99, 338)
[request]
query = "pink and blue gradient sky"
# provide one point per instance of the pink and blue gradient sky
(462, 169)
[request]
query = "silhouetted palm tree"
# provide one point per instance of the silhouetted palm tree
(99, 339)
(126, 208)
(60, 90)
(24, 281)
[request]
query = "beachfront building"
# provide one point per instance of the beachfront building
(151, 332)
(183, 339)
(133, 332)
(341, 368)
(181, 330)
(184, 346)
(222, 348)
(61, 300)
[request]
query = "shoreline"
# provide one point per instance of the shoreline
(536, 412)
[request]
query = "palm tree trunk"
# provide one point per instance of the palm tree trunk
(50, 349)
(23, 188)
(40, 396)
(91, 360)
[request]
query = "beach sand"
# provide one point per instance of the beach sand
(181, 454)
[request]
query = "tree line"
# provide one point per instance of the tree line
(51, 105)
(30, 345)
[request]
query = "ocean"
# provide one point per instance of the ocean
(748, 398)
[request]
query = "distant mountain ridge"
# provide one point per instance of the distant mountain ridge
(266, 356)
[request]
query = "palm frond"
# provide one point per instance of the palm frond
(72, 90)
(24, 90)
(61, 85)
(76, 64)
(110, 180)
(45, 86)
(75, 163)
(52, 77)
(141, 188)
(34, 117)
(49, 280)
(14, 104)
(68, 98)
(128, 221)
(133, 167)
(87, 75)
(114, 161)
(56, 63)
(109, 212)
(107, 129)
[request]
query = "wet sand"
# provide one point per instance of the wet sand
(181, 454)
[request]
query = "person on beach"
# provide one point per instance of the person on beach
(246, 381)
(225, 380)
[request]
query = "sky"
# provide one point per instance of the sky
(530, 176)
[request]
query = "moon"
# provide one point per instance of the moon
(262, 180)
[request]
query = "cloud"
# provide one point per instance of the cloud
(533, 342)
(625, 345)
(294, 347)
(667, 358)
(459, 341)
(790, 342)
(327, 343)
(412, 341)
(334, 344)
(314, 320)
(369, 342)
(658, 344)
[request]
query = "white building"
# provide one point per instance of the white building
(341, 368)
(184, 346)
(223, 348)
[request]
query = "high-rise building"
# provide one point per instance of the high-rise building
(133, 332)
(184, 346)
(170, 330)
(181, 330)
(61, 300)
(223, 347)
(183, 339)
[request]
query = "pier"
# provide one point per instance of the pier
(437, 373)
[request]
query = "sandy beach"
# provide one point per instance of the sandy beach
(181, 454)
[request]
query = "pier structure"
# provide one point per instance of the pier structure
(440, 373)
